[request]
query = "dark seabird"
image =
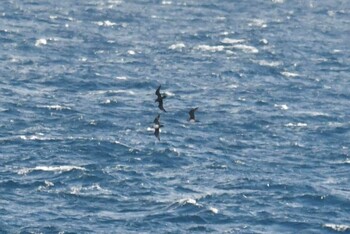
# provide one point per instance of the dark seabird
(160, 98)
(160, 105)
(157, 127)
(191, 113)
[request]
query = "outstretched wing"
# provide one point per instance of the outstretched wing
(158, 91)
(191, 113)
(156, 133)
(156, 120)
(160, 105)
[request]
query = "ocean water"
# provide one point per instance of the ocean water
(268, 154)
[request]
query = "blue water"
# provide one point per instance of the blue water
(268, 154)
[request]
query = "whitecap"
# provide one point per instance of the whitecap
(282, 107)
(264, 41)
(40, 42)
(289, 74)
(278, 1)
(122, 144)
(337, 227)
(214, 210)
(59, 169)
(169, 94)
(246, 48)
(32, 137)
(258, 23)
(331, 13)
(314, 113)
(177, 46)
(47, 185)
(167, 2)
(188, 201)
(55, 107)
(115, 92)
(94, 189)
(131, 52)
(269, 63)
(296, 125)
(121, 78)
(105, 23)
(232, 41)
(210, 48)
(232, 86)
(337, 51)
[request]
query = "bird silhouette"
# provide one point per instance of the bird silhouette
(191, 113)
(160, 98)
(157, 126)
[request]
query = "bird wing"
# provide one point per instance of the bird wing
(160, 105)
(156, 120)
(156, 133)
(158, 91)
(192, 112)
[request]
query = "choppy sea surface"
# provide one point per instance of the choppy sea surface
(268, 154)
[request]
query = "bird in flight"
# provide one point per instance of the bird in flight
(160, 98)
(157, 126)
(191, 113)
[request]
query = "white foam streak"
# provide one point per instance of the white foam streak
(130, 92)
(40, 42)
(258, 23)
(188, 201)
(55, 107)
(296, 125)
(289, 74)
(246, 48)
(282, 107)
(337, 227)
(121, 78)
(214, 210)
(105, 23)
(94, 189)
(210, 48)
(232, 41)
(177, 46)
(269, 63)
(50, 169)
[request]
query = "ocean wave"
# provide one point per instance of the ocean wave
(296, 125)
(105, 23)
(209, 48)
(119, 91)
(232, 41)
(177, 46)
(282, 106)
(290, 74)
(94, 190)
(269, 63)
(58, 169)
(55, 107)
(337, 227)
(246, 48)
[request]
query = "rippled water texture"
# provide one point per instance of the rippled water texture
(268, 154)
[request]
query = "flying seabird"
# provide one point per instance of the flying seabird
(160, 105)
(191, 113)
(157, 126)
(160, 98)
